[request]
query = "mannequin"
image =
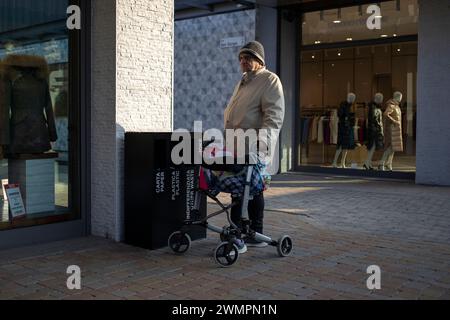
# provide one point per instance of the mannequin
(393, 131)
(375, 129)
(346, 139)
(24, 129)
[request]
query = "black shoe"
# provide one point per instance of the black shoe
(367, 167)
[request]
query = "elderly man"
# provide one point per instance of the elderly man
(257, 103)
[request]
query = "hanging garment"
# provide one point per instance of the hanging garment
(314, 128)
(320, 130)
(326, 131)
(305, 130)
(334, 123)
(310, 131)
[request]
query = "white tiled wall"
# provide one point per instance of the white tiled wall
(132, 70)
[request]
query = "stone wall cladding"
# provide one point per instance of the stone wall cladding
(132, 90)
(205, 73)
(144, 64)
(145, 49)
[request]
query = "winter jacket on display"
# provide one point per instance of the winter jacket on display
(27, 120)
(346, 138)
(393, 131)
(375, 132)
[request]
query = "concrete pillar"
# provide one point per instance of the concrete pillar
(132, 76)
(103, 117)
(433, 95)
(288, 76)
(266, 32)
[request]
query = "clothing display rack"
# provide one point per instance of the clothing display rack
(319, 130)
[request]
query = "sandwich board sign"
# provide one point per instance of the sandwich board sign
(16, 207)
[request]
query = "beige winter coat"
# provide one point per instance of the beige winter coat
(393, 131)
(257, 103)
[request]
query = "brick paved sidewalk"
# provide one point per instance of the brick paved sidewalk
(340, 226)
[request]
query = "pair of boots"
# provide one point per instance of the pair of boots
(383, 167)
(335, 165)
(367, 165)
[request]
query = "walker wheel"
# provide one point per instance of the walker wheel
(179, 242)
(226, 254)
(284, 246)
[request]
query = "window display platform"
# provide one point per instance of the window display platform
(356, 158)
(61, 211)
(35, 174)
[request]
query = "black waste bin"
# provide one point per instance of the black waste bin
(158, 194)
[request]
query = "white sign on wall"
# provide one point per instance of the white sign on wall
(232, 42)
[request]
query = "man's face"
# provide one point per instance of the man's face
(248, 62)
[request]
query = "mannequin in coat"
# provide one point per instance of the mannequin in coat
(393, 131)
(27, 119)
(345, 130)
(375, 129)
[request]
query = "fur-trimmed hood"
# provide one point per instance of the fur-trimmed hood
(12, 62)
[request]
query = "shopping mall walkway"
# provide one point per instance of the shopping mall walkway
(340, 227)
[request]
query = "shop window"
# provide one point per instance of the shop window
(397, 19)
(325, 82)
(35, 112)
(380, 61)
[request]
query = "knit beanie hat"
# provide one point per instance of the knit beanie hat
(256, 49)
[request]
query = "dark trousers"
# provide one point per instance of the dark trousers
(255, 213)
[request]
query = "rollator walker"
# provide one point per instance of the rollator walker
(226, 253)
